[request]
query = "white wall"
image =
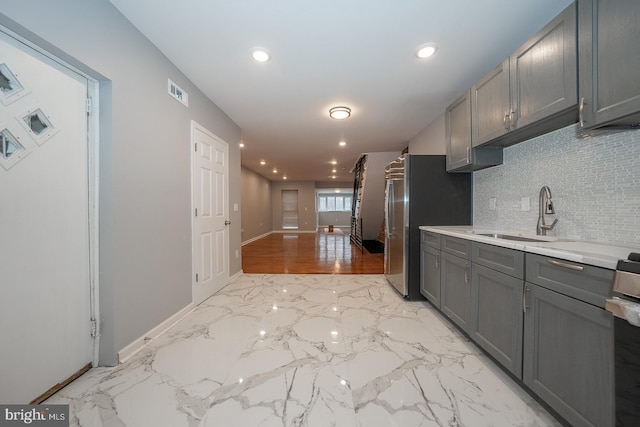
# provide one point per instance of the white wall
(431, 139)
(594, 181)
(145, 175)
(372, 203)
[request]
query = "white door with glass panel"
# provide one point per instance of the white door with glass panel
(45, 315)
(210, 212)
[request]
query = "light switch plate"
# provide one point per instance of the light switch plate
(525, 204)
(235, 207)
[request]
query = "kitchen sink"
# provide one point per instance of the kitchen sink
(511, 237)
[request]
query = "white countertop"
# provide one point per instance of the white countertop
(582, 251)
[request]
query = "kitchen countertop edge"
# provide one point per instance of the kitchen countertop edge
(606, 257)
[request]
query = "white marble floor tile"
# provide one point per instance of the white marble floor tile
(305, 350)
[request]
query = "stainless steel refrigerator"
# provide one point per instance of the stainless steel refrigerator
(419, 191)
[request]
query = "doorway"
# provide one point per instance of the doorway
(47, 179)
(209, 189)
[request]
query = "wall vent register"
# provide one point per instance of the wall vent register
(179, 94)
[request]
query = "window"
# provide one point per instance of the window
(334, 203)
(289, 209)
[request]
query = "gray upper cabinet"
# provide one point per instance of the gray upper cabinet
(609, 31)
(458, 133)
(461, 156)
(490, 105)
(533, 91)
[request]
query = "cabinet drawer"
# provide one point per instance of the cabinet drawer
(457, 247)
(583, 282)
(504, 260)
(430, 239)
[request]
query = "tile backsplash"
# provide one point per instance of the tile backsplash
(594, 181)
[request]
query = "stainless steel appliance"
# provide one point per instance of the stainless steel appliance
(419, 191)
(625, 306)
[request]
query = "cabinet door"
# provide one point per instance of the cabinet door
(609, 54)
(490, 105)
(496, 316)
(456, 289)
(430, 274)
(458, 133)
(568, 356)
(543, 72)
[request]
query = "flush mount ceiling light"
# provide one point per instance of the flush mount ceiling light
(260, 54)
(339, 113)
(426, 50)
(342, 143)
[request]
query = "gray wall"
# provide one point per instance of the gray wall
(256, 205)
(145, 214)
(306, 204)
(430, 140)
(594, 182)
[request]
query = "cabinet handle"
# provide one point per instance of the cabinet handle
(565, 265)
(512, 125)
(466, 273)
(524, 299)
(468, 155)
(504, 121)
(438, 261)
(581, 112)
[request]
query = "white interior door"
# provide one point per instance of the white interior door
(44, 223)
(210, 224)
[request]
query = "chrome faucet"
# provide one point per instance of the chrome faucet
(545, 206)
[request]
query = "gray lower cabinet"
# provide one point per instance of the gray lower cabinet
(430, 274)
(568, 356)
(456, 289)
(496, 316)
(609, 60)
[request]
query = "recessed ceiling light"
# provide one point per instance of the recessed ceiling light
(284, 177)
(339, 113)
(275, 170)
(262, 162)
(334, 170)
(333, 177)
(426, 50)
(342, 143)
(260, 54)
(334, 162)
(242, 145)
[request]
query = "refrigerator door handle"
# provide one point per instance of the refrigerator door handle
(388, 214)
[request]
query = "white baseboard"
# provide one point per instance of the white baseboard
(256, 238)
(235, 276)
(127, 352)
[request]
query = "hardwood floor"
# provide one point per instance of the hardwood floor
(309, 253)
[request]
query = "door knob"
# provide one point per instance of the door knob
(227, 222)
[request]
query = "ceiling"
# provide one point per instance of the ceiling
(358, 53)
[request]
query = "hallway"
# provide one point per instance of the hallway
(305, 350)
(309, 253)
